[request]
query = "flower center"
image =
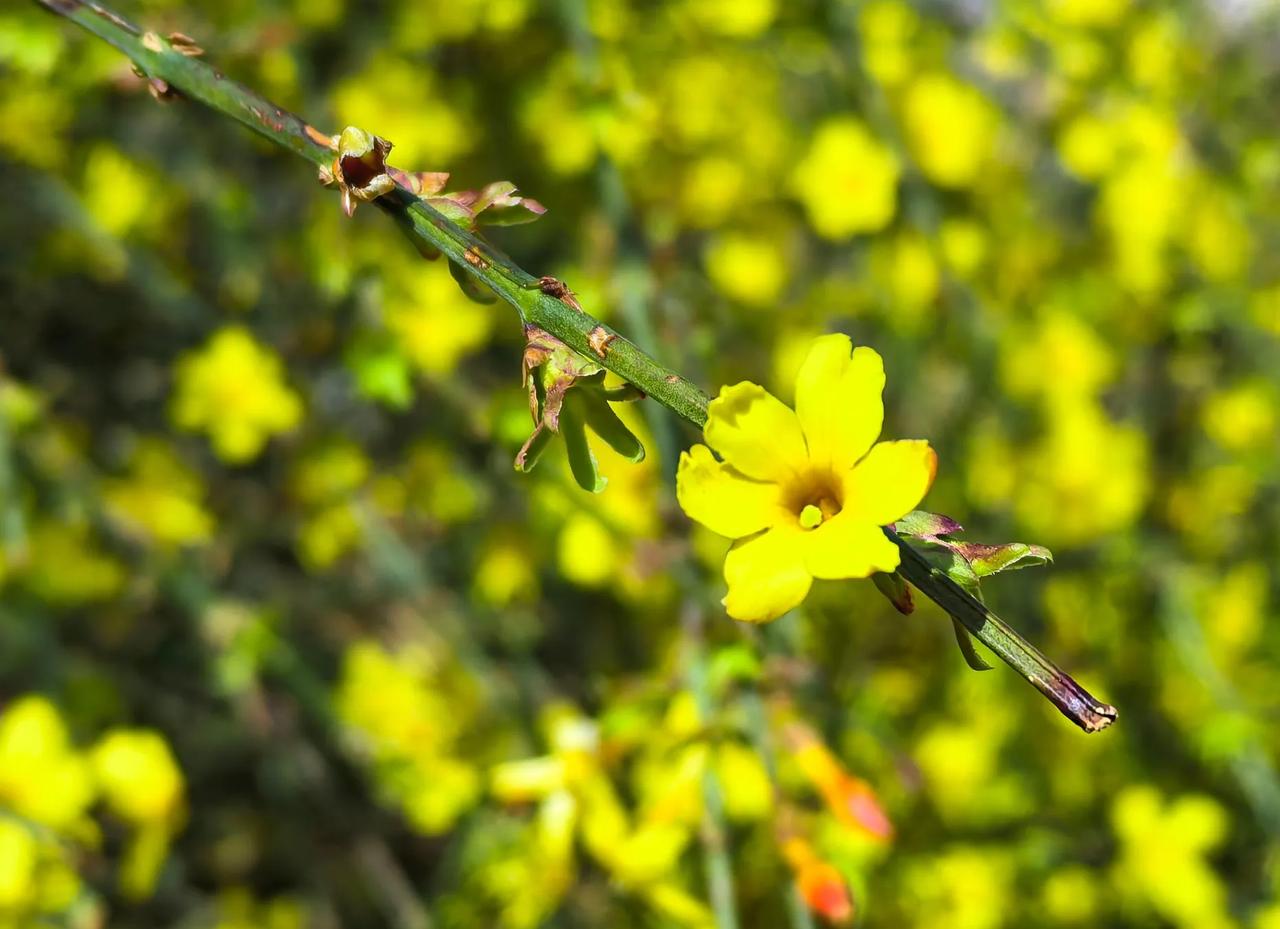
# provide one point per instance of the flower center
(814, 498)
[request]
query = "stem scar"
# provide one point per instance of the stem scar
(599, 339)
(475, 259)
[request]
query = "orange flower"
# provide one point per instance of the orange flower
(850, 799)
(821, 885)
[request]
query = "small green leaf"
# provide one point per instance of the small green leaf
(533, 448)
(919, 524)
(970, 651)
(581, 460)
(452, 210)
(947, 561)
(992, 559)
(606, 424)
(895, 590)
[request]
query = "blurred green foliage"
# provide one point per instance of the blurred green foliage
(285, 641)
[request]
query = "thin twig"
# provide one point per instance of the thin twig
(197, 80)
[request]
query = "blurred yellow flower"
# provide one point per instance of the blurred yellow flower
(138, 776)
(806, 492)
(17, 866)
(42, 777)
(433, 322)
(888, 28)
(736, 18)
(234, 390)
(401, 102)
(160, 500)
(950, 129)
(1243, 417)
(847, 181)
(1163, 850)
(751, 269)
(399, 711)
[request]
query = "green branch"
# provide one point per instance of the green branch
(171, 66)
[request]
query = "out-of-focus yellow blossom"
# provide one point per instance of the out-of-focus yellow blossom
(120, 195)
(1140, 208)
(1209, 506)
(847, 181)
(233, 389)
(744, 783)
(1264, 308)
(1086, 478)
(1057, 358)
(750, 269)
(736, 18)
(434, 323)
(806, 492)
(436, 486)
(711, 189)
(400, 101)
(908, 266)
(960, 764)
(325, 480)
(238, 909)
(159, 502)
(331, 471)
(950, 128)
(415, 32)
(31, 119)
(888, 29)
(1234, 610)
(138, 776)
(41, 775)
(1163, 847)
(18, 853)
(406, 715)
(1217, 238)
(573, 124)
(1087, 145)
(505, 574)
(1157, 55)
(1070, 896)
(586, 551)
(1088, 12)
(964, 887)
(1243, 417)
(65, 566)
(327, 534)
(964, 246)
(38, 885)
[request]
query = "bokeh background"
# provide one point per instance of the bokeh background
(286, 642)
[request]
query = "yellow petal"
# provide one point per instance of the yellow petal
(848, 546)
(766, 575)
(838, 400)
(755, 432)
(723, 500)
(890, 481)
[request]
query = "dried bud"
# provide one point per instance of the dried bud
(359, 168)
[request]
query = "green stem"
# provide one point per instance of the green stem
(714, 833)
(197, 80)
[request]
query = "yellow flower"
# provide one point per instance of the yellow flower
(805, 492)
(234, 389)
